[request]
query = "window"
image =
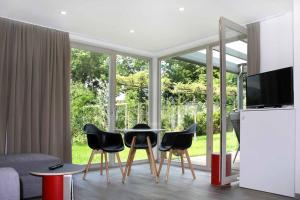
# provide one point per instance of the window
(183, 100)
(132, 75)
(89, 99)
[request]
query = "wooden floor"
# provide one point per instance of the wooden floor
(141, 186)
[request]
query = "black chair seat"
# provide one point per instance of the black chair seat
(113, 148)
(165, 148)
(141, 146)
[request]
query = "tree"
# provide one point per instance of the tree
(89, 68)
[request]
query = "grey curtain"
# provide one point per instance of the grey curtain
(253, 48)
(34, 89)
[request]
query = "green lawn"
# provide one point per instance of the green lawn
(81, 152)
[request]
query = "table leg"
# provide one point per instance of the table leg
(53, 187)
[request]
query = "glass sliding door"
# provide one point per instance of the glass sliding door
(89, 98)
(132, 96)
(233, 59)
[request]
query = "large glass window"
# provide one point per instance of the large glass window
(183, 100)
(89, 99)
(132, 75)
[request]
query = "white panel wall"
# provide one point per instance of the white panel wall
(268, 150)
(297, 88)
(277, 42)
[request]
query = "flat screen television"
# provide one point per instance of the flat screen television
(270, 89)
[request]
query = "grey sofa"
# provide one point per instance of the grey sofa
(9, 184)
(30, 186)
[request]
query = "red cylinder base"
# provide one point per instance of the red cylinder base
(215, 168)
(53, 187)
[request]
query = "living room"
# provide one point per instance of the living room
(149, 100)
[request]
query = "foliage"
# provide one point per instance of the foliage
(89, 68)
(132, 83)
(87, 107)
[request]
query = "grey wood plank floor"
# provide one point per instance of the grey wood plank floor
(141, 186)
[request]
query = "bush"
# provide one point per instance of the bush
(86, 107)
(201, 123)
(216, 121)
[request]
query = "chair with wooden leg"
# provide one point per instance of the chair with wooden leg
(94, 142)
(140, 139)
(177, 143)
(107, 142)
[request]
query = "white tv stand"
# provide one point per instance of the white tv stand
(268, 150)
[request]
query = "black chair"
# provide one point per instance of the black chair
(177, 143)
(103, 142)
(140, 140)
(235, 120)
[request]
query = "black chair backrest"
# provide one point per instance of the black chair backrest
(141, 137)
(141, 126)
(93, 136)
(235, 121)
(192, 128)
(111, 139)
(184, 139)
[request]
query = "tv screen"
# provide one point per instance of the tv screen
(270, 89)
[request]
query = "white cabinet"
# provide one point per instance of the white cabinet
(268, 150)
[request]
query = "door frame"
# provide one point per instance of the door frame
(223, 25)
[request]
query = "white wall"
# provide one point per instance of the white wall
(264, 166)
(276, 36)
(297, 88)
(280, 47)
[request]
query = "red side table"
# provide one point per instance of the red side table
(215, 168)
(53, 180)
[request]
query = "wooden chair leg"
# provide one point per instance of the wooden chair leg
(169, 164)
(182, 163)
(120, 163)
(101, 164)
(131, 161)
(88, 165)
(106, 167)
(128, 159)
(149, 160)
(152, 159)
(151, 164)
(162, 158)
(190, 163)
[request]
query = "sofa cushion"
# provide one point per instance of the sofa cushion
(24, 163)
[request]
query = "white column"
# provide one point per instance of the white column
(154, 97)
(209, 105)
(154, 93)
(112, 93)
(112, 100)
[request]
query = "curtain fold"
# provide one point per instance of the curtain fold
(253, 48)
(34, 89)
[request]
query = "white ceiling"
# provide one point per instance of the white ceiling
(158, 24)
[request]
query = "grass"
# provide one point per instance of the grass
(81, 152)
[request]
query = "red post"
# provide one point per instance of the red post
(215, 168)
(53, 187)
